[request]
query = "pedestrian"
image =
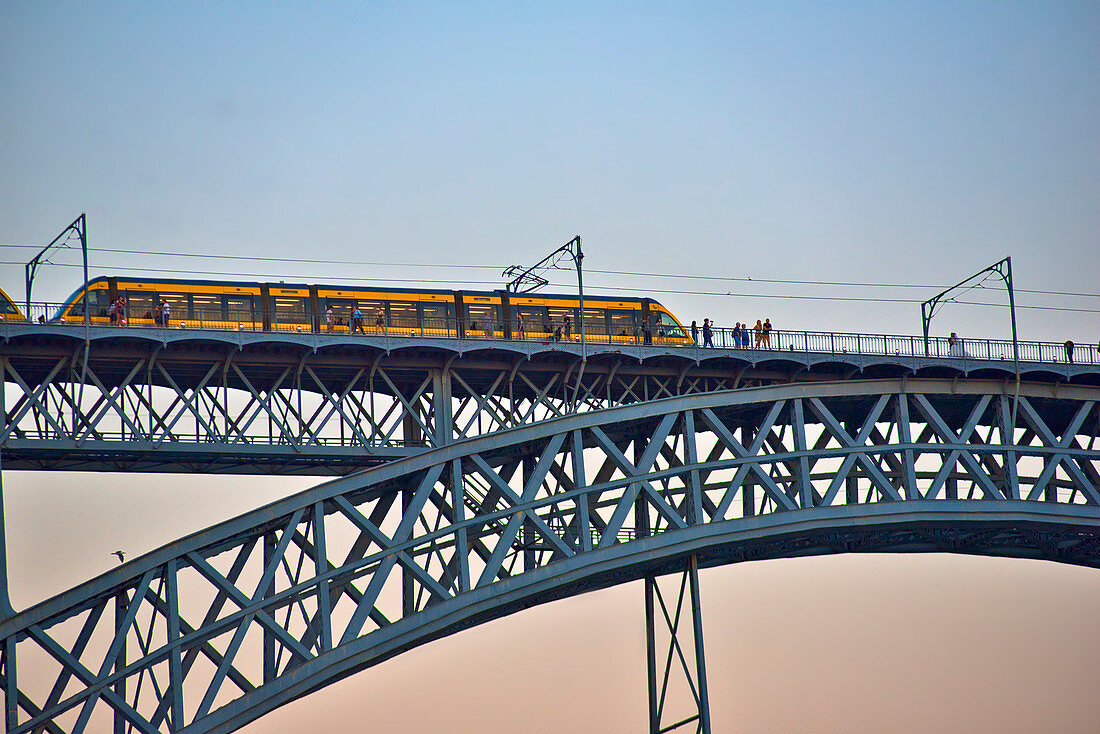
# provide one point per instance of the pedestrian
(1069, 351)
(487, 325)
(329, 320)
(379, 319)
(758, 332)
(165, 313)
(521, 326)
(357, 320)
(121, 311)
(112, 312)
(736, 335)
(647, 331)
(567, 327)
(557, 334)
(707, 333)
(767, 333)
(695, 332)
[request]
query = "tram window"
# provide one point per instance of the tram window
(558, 314)
(290, 311)
(97, 299)
(535, 319)
(341, 309)
(403, 314)
(480, 316)
(7, 308)
(179, 308)
(371, 310)
(139, 304)
(437, 317)
(622, 323)
(667, 327)
(240, 308)
(595, 322)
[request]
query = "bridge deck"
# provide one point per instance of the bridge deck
(151, 399)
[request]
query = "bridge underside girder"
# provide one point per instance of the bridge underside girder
(214, 630)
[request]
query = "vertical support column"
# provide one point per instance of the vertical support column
(458, 501)
(122, 602)
(175, 659)
(748, 484)
(11, 685)
(905, 430)
(527, 533)
(805, 489)
(641, 503)
(410, 430)
(324, 601)
(11, 688)
(412, 434)
(696, 676)
(269, 671)
(700, 657)
(408, 581)
(584, 522)
(5, 601)
(442, 407)
(691, 455)
(651, 654)
(4, 415)
(851, 482)
(1008, 439)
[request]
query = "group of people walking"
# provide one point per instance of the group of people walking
(743, 336)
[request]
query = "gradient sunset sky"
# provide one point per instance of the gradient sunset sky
(907, 143)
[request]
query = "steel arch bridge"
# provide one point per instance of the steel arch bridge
(216, 629)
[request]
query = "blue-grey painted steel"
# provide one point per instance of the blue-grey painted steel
(220, 627)
(257, 402)
(675, 663)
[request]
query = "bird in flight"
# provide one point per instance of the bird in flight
(121, 555)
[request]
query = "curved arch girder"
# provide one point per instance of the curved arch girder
(212, 631)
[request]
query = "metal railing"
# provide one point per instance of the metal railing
(746, 340)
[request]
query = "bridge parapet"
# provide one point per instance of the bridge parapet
(217, 628)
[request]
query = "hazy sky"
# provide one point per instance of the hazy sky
(894, 142)
(901, 143)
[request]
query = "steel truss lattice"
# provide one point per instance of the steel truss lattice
(308, 415)
(212, 631)
(155, 400)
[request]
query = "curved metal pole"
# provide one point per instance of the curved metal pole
(1003, 268)
(79, 226)
(578, 257)
(527, 280)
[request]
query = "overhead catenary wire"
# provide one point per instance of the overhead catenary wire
(496, 268)
(616, 288)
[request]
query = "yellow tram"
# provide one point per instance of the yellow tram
(394, 311)
(8, 310)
